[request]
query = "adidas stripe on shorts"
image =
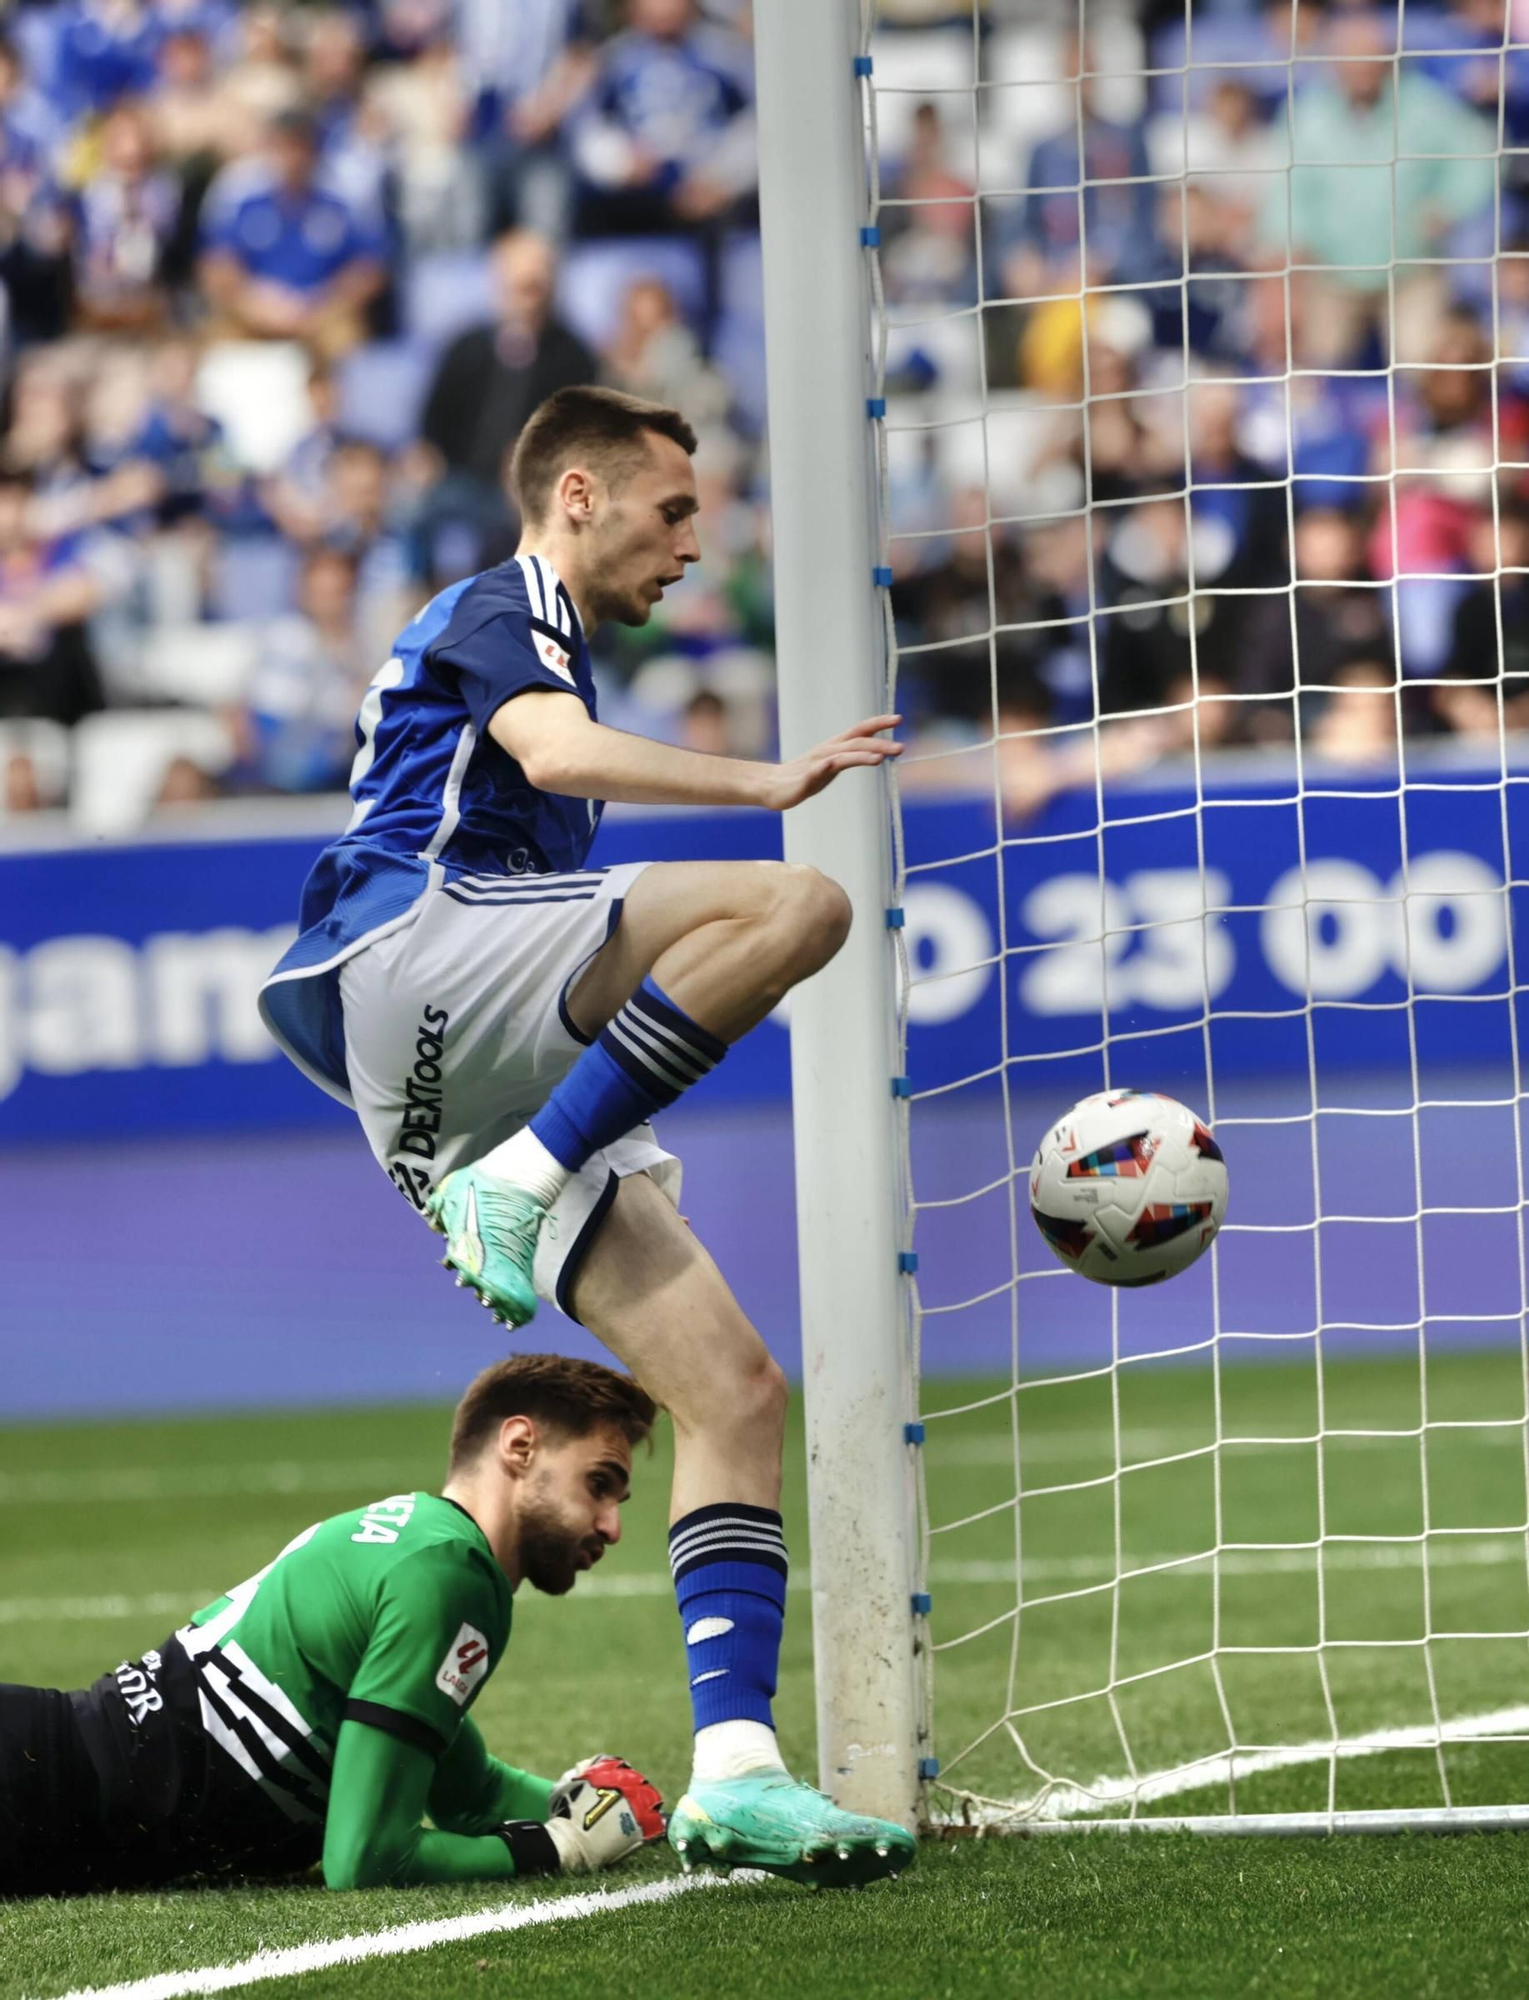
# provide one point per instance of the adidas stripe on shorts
(457, 1030)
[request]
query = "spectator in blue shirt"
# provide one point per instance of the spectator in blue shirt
(286, 259)
(529, 65)
(105, 50)
(299, 724)
(294, 497)
(667, 138)
(1118, 233)
(198, 474)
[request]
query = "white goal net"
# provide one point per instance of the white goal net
(1202, 399)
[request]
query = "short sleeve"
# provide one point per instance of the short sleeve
(502, 656)
(436, 1637)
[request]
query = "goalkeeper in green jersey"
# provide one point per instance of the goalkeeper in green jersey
(318, 1712)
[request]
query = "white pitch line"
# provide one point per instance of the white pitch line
(90, 1610)
(292, 1960)
(945, 1452)
(1069, 1801)
(1484, 1551)
(197, 1482)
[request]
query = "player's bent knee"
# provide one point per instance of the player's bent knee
(810, 919)
(829, 913)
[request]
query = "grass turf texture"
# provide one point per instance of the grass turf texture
(124, 1528)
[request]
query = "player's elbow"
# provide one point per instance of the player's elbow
(561, 756)
(548, 767)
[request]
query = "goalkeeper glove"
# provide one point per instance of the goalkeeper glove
(600, 1812)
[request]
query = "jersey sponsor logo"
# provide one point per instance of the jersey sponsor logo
(384, 1520)
(135, 1682)
(464, 1666)
(413, 1183)
(420, 1119)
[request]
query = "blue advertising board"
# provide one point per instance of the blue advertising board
(128, 972)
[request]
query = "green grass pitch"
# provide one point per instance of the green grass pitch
(118, 1529)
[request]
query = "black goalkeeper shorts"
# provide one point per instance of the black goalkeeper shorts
(49, 1796)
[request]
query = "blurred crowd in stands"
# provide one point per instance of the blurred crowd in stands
(1222, 300)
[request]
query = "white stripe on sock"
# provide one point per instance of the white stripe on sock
(653, 1064)
(679, 1057)
(634, 1013)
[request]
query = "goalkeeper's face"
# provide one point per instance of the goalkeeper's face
(570, 1511)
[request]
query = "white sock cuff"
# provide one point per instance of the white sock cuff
(732, 1749)
(527, 1162)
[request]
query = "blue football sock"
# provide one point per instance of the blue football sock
(640, 1063)
(729, 1564)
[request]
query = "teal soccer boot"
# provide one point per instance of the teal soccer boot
(490, 1227)
(768, 1820)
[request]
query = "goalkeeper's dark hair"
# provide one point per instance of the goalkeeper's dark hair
(604, 429)
(559, 1394)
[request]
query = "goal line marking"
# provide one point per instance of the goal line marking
(289, 1961)
(1070, 1801)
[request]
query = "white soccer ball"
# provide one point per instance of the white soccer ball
(1128, 1188)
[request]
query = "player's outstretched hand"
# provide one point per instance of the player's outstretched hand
(601, 1811)
(804, 777)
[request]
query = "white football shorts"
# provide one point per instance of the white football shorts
(457, 1030)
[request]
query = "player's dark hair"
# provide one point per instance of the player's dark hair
(603, 428)
(555, 1391)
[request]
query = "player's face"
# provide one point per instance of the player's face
(646, 534)
(572, 1513)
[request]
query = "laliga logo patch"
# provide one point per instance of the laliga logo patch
(464, 1666)
(555, 657)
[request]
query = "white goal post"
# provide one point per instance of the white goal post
(1248, 1553)
(855, 1351)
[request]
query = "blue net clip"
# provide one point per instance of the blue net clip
(923, 1604)
(896, 918)
(875, 406)
(929, 1767)
(863, 66)
(870, 237)
(913, 1433)
(902, 1086)
(907, 1262)
(882, 576)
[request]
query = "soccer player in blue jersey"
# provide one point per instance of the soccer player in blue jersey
(506, 1021)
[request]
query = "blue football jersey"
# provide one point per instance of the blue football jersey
(434, 794)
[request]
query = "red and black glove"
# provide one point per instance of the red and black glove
(600, 1812)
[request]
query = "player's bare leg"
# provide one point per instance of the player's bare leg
(727, 939)
(702, 953)
(650, 1292)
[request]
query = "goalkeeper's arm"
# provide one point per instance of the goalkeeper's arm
(503, 1822)
(472, 1792)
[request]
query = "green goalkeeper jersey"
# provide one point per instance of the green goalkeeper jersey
(353, 1657)
(394, 1615)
